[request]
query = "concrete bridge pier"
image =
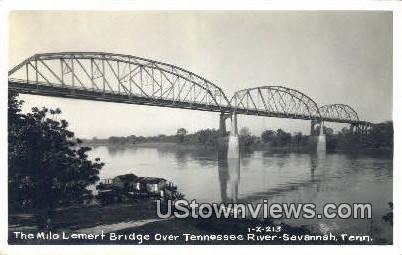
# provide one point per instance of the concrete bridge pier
(223, 135)
(312, 127)
(317, 136)
(233, 144)
(321, 140)
(352, 128)
(222, 123)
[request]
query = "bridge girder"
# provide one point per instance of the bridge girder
(119, 75)
(275, 101)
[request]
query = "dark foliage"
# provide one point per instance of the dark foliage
(47, 167)
(379, 138)
(181, 134)
(282, 138)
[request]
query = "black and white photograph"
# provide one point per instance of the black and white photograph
(200, 127)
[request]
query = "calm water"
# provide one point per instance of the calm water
(278, 177)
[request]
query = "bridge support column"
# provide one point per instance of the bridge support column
(321, 140)
(312, 127)
(223, 136)
(222, 123)
(233, 146)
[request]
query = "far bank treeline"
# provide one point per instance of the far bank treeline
(380, 139)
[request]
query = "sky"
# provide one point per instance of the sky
(333, 57)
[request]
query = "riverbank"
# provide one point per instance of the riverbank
(139, 217)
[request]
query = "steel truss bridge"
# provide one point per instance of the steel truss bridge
(133, 80)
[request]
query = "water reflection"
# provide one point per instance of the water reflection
(229, 179)
(229, 176)
(315, 159)
(206, 176)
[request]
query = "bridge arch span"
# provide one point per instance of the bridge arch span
(116, 75)
(275, 101)
(339, 112)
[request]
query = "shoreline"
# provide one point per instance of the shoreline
(140, 218)
(256, 147)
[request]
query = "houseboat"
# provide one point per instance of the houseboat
(124, 187)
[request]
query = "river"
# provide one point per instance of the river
(277, 177)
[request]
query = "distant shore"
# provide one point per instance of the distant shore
(162, 145)
(254, 147)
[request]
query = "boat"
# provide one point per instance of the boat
(130, 186)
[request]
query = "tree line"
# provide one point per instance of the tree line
(204, 136)
(380, 137)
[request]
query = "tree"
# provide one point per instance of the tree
(207, 136)
(245, 131)
(181, 134)
(47, 167)
(382, 135)
(267, 136)
(328, 131)
(245, 137)
(283, 137)
(132, 139)
(298, 138)
(117, 140)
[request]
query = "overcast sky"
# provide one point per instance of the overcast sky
(334, 57)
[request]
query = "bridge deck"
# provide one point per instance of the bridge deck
(88, 94)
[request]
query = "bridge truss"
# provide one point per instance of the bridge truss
(343, 113)
(135, 80)
(275, 101)
(116, 78)
(339, 112)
